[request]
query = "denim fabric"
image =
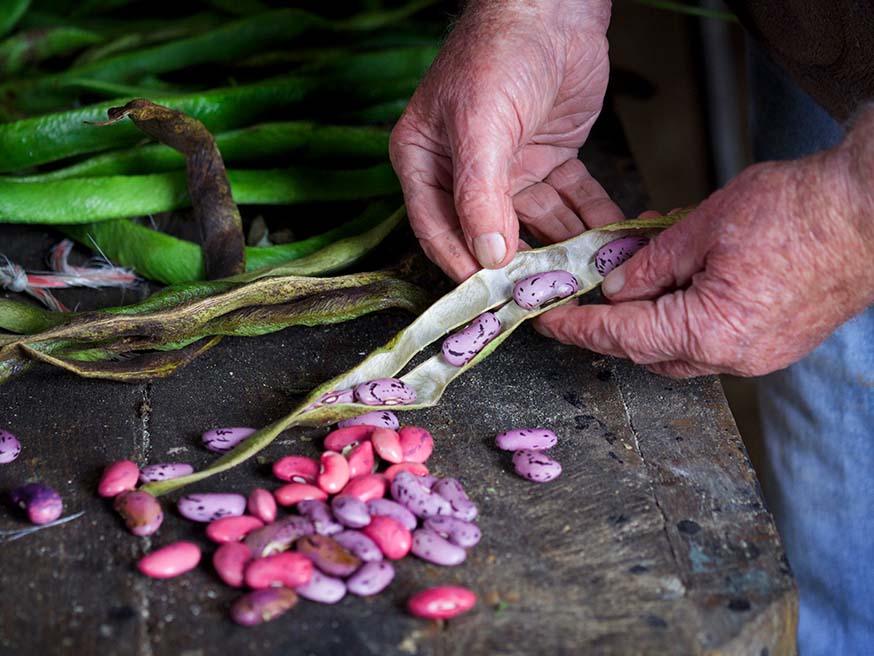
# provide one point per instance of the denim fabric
(818, 422)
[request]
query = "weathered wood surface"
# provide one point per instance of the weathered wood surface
(654, 539)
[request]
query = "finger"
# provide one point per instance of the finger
(648, 214)
(680, 369)
(544, 213)
(584, 195)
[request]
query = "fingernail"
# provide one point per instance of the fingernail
(614, 282)
(489, 249)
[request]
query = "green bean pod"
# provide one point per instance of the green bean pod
(11, 12)
(25, 49)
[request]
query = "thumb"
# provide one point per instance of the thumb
(482, 156)
(667, 262)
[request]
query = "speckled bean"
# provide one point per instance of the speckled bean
(294, 493)
(361, 460)
(385, 391)
(333, 472)
(421, 501)
(288, 568)
(387, 444)
(262, 505)
(366, 487)
(232, 529)
(141, 512)
(415, 468)
(10, 447)
(350, 511)
(457, 531)
(392, 537)
(359, 545)
(535, 466)
(389, 508)
(340, 438)
(428, 481)
(535, 291)
(416, 443)
(296, 469)
(536, 439)
(262, 606)
(118, 477)
(41, 503)
(165, 471)
(452, 490)
(222, 440)
(322, 589)
(334, 398)
(371, 579)
(328, 555)
(377, 418)
(210, 506)
(319, 513)
(278, 536)
(442, 602)
(230, 561)
(170, 561)
(461, 347)
(429, 545)
(617, 252)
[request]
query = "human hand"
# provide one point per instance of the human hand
(751, 281)
(492, 132)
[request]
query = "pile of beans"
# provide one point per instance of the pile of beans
(351, 521)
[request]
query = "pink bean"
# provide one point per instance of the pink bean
(222, 440)
(339, 439)
(334, 472)
(170, 561)
(209, 506)
(165, 471)
(232, 529)
(414, 468)
(392, 537)
(378, 418)
(288, 568)
(294, 493)
(366, 487)
(416, 443)
(536, 439)
(361, 460)
(429, 545)
(262, 505)
(536, 466)
(118, 477)
(278, 536)
(387, 444)
(141, 512)
(230, 561)
(296, 469)
(262, 606)
(371, 579)
(358, 544)
(322, 589)
(442, 602)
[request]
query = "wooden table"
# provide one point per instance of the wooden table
(654, 540)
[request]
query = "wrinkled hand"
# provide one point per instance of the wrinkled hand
(492, 132)
(751, 281)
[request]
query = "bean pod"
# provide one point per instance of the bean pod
(535, 291)
(462, 347)
(385, 391)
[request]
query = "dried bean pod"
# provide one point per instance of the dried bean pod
(617, 252)
(288, 568)
(377, 418)
(387, 445)
(319, 513)
(334, 472)
(421, 501)
(416, 443)
(322, 589)
(366, 487)
(392, 537)
(385, 391)
(210, 506)
(371, 579)
(460, 348)
(222, 440)
(389, 508)
(535, 291)
(230, 561)
(10, 447)
(350, 511)
(441, 603)
(296, 469)
(536, 439)
(232, 529)
(165, 471)
(141, 512)
(262, 606)
(294, 493)
(535, 466)
(41, 503)
(328, 555)
(118, 477)
(452, 490)
(457, 531)
(415, 468)
(262, 505)
(278, 536)
(361, 459)
(170, 561)
(339, 439)
(429, 545)
(359, 545)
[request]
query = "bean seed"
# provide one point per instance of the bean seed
(392, 537)
(378, 418)
(361, 459)
(262, 606)
(442, 602)
(334, 471)
(387, 445)
(371, 579)
(334, 398)
(385, 391)
(232, 529)
(415, 468)
(10, 447)
(319, 513)
(296, 469)
(535, 291)
(165, 471)
(429, 545)
(141, 512)
(322, 589)
(617, 252)
(359, 545)
(339, 439)
(328, 555)
(535, 466)
(209, 506)
(118, 477)
(287, 568)
(222, 440)
(230, 561)
(170, 561)
(278, 536)
(294, 493)
(393, 509)
(460, 348)
(421, 501)
(41, 503)
(416, 443)
(452, 490)
(535, 439)
(457, 531)
(366, 487)
(262, 505)
(350, 511)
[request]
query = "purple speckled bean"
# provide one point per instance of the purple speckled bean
(457, 531)
(392, 509)
(210, 506)
(334, 398)
(461, 347)
(535, 466)
(536, 439)
(319, 513)
(428, 545)
(322, 589)
(371, 579)
(328, 555)
(350, 511)
(378, 418)
(427, 481)
(262, 605)
(165, 471)
(359, 545)
(385, 391)
(535, 291)
(617, 252)
(141, 512)
(278, 536)
(10, 447)
(419, 500)
(41, 503)
(222, 440)
(452, 490)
